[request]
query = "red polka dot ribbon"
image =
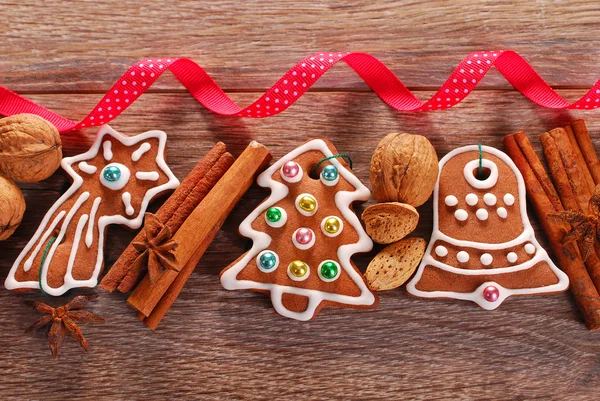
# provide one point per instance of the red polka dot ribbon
(300, 78)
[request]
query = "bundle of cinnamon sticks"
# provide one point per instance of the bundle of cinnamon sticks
(191, 217)
(575, 171)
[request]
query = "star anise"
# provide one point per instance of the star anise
(584, 228)
(156, 249)
(62, 319)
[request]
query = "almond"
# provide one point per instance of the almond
(390, 222)
(394, 265)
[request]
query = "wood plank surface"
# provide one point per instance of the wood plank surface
(217, 344)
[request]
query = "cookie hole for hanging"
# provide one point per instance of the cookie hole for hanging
(482, 174)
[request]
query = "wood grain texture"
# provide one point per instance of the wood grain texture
(217, 344)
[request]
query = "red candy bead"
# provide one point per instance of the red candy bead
(290, 169)
(491, 293)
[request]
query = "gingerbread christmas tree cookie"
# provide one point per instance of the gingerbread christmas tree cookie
(483, 248)
(113, 183)
(304, 235)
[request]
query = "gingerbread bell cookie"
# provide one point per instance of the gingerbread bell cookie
(113, 183)
(304, 235)
(483, 247)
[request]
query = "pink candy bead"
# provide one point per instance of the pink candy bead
(290, 169)
(491, 293)
(304, 236)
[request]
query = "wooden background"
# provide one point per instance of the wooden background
(216, 344)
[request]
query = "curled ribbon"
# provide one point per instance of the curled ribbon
(295, 82)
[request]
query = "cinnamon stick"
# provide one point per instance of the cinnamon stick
(585, 171)
(203, 223)
(576, 179)
(587, 149)
(570, 184)
(584, 292)
(537, 168)
(194, 197)
(120, 268)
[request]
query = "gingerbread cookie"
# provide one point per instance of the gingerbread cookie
(304, 235)
(483, 247)
(113, 183)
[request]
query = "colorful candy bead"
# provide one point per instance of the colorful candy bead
(329, 270)
(491, 293)
(307, 204)
(332, 225)
(112, 173)
(330, 173)
(298, 270)
(267, 261)
(273, 214)
(290, 169)
(304, 236)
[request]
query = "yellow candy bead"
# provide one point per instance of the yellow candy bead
(298, 268)
(307, 203)
(332, 225)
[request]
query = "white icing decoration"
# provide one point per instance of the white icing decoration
(481, 184)
(329, 183)
(529, 249)
(329, 280)
(489, 199)
(108, 154)
(461, 215)
(502, 213)
(121, 182)
(279, 223)
(45, 229)
(295, 178)
(441, 251)
(486, 259)
(339, 231)
(290, 275)
(304, 247)
(89, 237)
(471, 199)
(451, 200)
(481, 214)
(261, 240)
(302, 211)
(527, 235)
(147, 175)
(127, 203)
(86, 168)
(144, 147)
(512, 257)
(262, 269)
(462, 257)
(509, 200)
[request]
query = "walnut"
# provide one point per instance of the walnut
(404, 168)
(30, 148)
(12, 207)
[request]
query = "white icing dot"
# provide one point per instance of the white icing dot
(462, 257)
(489, 199)
(481, 214)
(486, 259)
(451, 200)
(471, 199)
(502, 213)
(530, 249)
(441, 251)
(509, 200)
(461, 215)
(511, 257)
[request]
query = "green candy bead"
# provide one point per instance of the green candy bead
(329, 270)
(112, 173)
(273, 214)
